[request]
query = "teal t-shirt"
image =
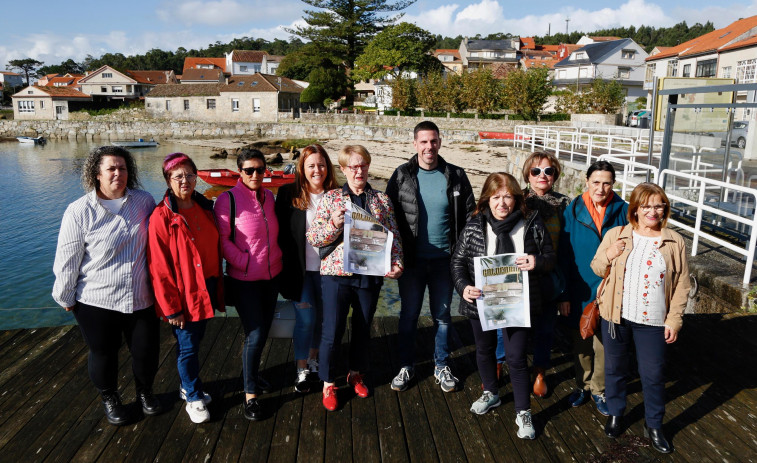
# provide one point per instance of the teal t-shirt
(433, 211)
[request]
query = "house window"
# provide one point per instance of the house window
(581, 55)
(41, 105)
(107, 75)
(673, 68)
(118, 89)
(242, 68)
(103, 89)
(745, 71)
(211, 103)
(186, 105)
(707, 68)
(234, 104)
(26, 106)
(628, 54)
(561, 74)
(30, 92)
(726, 74)
(686, 70)
(168, 105)
(649, 77)
(256, 105)
(624, 73)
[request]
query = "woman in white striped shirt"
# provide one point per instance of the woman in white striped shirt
(101, 275)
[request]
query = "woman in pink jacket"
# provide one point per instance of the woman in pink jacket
(253, 261)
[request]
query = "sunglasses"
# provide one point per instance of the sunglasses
(548, 171)
(251, 170)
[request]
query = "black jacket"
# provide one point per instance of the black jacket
(292, 243)
(472, 243)
(402, 189)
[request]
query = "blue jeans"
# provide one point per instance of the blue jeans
(338, 296)
(256, 305)
(308, 320)
(187, 360)
(649, 342)
(435, 274)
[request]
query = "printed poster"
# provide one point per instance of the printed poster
(367, 243)
(505, 299)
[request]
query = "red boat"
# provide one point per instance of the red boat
(500, 136)
(226, 177)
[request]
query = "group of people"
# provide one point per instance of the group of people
(122, 264)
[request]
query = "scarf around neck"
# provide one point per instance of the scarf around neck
(502, 229)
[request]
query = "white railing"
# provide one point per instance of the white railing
(630, 173)
(744, 215)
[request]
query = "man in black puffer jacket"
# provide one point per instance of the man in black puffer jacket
(432, 200)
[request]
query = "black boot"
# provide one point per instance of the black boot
(115, 412)
(150, 404)
(614, 426)
(659, 442)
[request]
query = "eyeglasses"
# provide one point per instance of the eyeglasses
(251, 170)
(188, 177)
(548, 171)
(656, 207)
(362, 167)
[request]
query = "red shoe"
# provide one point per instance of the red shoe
(356, 381)
(330, 401)
(540, 383)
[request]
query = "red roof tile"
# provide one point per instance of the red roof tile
(204, 75)
(534, 63)
(527, 43)
(260, 83)
(605, 39)
(151, 77)
(247, 56)
(190, 63)
(741, 44)
(63, 92)
(712, 41)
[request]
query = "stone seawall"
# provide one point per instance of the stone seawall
(321, 126)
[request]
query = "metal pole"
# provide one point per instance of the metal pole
(651, 127)
(667, 138)
(727, 153)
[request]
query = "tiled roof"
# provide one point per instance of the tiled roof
(550, 48)
(190, 63)
(535, 53)
(63, 92)
(501, 70)
(527, 43)
(208, 75)
(447, 51)
(594, 52)
(247, 56)
(171, 90)
(712, 41)
(149, 77)
(68, 81)
(741, 44)
(274, 58)
(260, 83)
(604, 39)
(9, 73)
(489, 45)
(535, 63)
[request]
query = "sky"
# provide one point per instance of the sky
(54, 32)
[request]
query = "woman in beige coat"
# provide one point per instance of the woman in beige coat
(641, 305)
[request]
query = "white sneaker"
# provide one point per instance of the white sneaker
(313, 366)
(445, 379)
(197, 412)
(206, 399)
(403, 378)
(486, 402)
(525, 425)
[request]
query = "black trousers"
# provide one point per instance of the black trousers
(103, 331)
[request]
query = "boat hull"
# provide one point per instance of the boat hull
(500, 136)
(226, 177)
(134, 144)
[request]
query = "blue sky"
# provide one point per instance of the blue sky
(54, 31)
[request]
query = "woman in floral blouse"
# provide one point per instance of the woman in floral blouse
(641, 305)
(342, 289)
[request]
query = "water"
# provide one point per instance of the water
(37, 183)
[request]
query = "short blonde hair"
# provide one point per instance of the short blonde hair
(349, 150)
(639, 197)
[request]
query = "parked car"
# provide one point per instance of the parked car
(633, 117)
(738, 134)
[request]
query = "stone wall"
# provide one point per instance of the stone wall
(341, 126)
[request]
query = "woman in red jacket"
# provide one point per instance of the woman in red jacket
(185, 265)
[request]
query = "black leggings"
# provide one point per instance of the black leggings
(102, 330)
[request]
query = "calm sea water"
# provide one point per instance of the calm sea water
(36, 185)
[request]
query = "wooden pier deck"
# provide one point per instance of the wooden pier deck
(49, 410)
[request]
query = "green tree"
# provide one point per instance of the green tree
(452, 96)
(324, 83)
(482, 91)
(404, 96)
(526, 91)
(607, 96)
(397, 49)
(431, 91)
(66, 67)
(28, 66)
(340, 29)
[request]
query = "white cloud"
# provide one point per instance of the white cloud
(223, 12)
(720, 15)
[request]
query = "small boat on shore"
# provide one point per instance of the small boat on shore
(140, 143)
(32, 140)
(227, 177)
(500, 136)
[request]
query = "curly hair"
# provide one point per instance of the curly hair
(91, 168)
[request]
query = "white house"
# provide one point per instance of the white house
(41, 103)
(477, 54)
(106, 83)
(248, 62)
(621, 60)
(10, 79)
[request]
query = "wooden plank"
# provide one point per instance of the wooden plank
(418, 437)
(286, 429)
(338, 422)
(26, 349)
(365, 441)
(6, 338)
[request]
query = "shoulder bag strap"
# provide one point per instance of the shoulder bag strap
(232, 217)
